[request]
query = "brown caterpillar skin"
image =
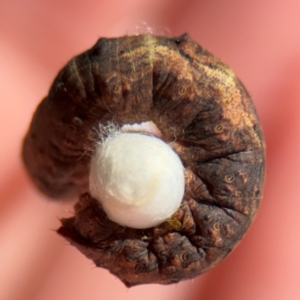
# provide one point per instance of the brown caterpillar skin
(200, 105)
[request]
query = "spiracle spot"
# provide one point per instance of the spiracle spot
(185, 257)
(219, 128)
(77, 121)
(182, 90)
(217, 226)
(229, 178)
(116, 88)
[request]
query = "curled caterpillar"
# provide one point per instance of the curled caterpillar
(199, 109)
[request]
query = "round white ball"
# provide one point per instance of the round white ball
(138, 179)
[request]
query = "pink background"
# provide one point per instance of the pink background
(260, 40)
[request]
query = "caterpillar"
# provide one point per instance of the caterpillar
(199, 110)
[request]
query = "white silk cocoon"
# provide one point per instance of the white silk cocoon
(138, 179)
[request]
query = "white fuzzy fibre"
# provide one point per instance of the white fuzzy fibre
(138, 179)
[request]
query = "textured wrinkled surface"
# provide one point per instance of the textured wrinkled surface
(199, 105)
